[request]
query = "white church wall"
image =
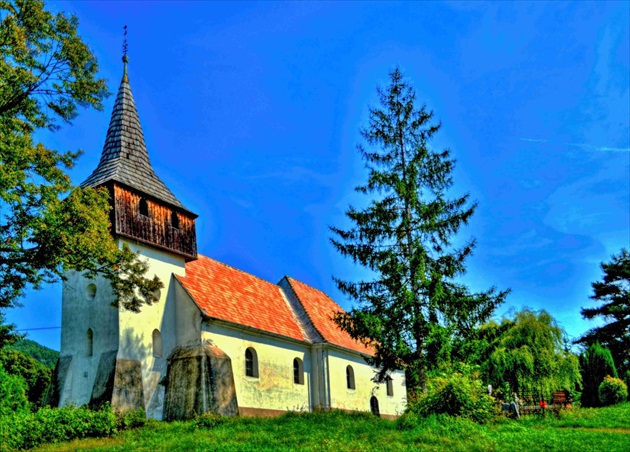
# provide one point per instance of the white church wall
(136, 337)
(274, 390)
(358, 399)
(86, 307)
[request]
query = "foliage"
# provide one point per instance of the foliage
(404, 237)
(614, 295)
(8, 333)
(612, 391)
(12, 393)
(576, 429)
(36, 376)
(48, 226)
(528, 355)
(48, 357)
(132, 419)
(455, 393)
(595, 363)
(26, 430)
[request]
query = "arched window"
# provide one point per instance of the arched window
(390, 386)
(90, 343)
(251, 363)
(350, 377)
(157, 343)
(143, 208)
(174, 220)
(374, 406)
(298, 371)
(90, 291)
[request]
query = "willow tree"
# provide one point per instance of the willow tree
(48, 226)
(530, 356)
(405, 238)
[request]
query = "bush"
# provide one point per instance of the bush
(458, 394)
(26, 430)
(612, 391)
(595, 363)
(12, 394)
(132, 419)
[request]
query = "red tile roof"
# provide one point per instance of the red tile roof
(226, 293)
(320, 308)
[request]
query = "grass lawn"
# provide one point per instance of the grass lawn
(602, 429)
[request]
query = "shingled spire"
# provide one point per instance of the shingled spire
(144, 208)
(125, 158)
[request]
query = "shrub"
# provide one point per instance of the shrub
(210, 420)
(12, 393)
(458, 394)
(612, 391)
(25, 430)
(132, 419)
(595, 363)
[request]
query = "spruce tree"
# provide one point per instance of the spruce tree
(595, 364)
(614, 294)
(404, 237)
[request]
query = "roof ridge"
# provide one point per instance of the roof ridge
(315, 288)
(297, 297)
(237, 269)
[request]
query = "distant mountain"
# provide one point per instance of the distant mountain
(46, 356)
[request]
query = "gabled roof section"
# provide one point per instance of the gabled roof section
(320, 309)
(125, 158)
(225, 293)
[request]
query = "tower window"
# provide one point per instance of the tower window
(174, 220)
(90, 291)
(251, 363)
(143, 207)
(157, 343)
(90, 343)
(350, 378)
(298, 371)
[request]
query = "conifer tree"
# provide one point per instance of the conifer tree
(404, 237)
(614, 294)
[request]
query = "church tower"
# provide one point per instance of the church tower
(109, 354)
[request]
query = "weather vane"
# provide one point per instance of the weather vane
(125, 45)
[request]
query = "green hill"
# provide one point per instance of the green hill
(46, 356)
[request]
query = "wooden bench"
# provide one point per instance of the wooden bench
(561, 398)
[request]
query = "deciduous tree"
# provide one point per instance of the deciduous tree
(404, 237)
(48, 226)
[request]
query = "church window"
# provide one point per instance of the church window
(174, 220)
(374, 406)
(390, 386)
(90, 292)
(251, 363)
(143, 207)
(350, 377)
(298, 371)
(90, 343)
(157, 343)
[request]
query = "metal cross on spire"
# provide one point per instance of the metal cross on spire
(125, 45)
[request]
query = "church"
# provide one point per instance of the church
(219, 339)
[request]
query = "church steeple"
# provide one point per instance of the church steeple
(144, 208)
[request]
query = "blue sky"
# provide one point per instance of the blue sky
(251, 114)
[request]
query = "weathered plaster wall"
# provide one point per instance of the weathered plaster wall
(274, 389)
(358, 399)
(136, 329)
(86, 304)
